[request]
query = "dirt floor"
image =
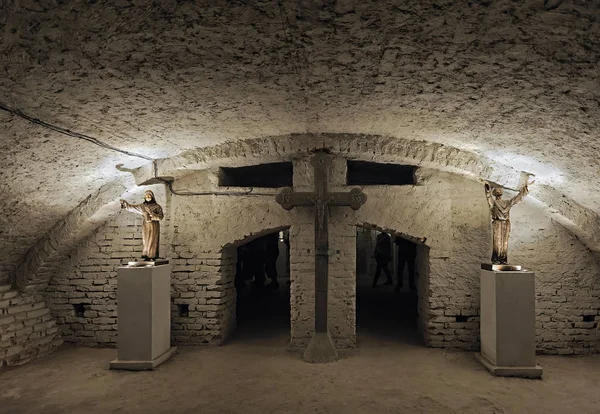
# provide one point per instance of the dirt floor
(389, 372)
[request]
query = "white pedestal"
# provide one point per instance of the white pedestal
(507, 323)
(144, 317)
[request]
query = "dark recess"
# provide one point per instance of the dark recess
(589, 318)
(79, 309)
(372, 173)
(183, 310)
(264, 175)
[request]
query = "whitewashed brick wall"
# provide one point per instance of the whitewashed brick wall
(449, 214)
(27, 330)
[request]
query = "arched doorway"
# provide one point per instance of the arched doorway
(391, 308)
(261, 279)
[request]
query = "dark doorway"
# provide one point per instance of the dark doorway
(385, 314)
(263, 300)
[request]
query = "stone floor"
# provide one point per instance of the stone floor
(389, 372)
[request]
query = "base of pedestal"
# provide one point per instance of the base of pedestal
(534, 372)
(143, 365)
(320, 349)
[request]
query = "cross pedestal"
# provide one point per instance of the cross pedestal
(321, 348)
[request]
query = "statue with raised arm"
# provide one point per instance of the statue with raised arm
(500, 211)
(152, 213)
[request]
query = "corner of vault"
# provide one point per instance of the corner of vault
(36, 269)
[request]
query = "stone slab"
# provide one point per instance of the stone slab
(143, 365)
(507, 322)
(534, 372)
(143, 316)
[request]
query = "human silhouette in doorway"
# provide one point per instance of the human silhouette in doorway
(254, 263)
(383, 255)
(271, 255)
(407, 253)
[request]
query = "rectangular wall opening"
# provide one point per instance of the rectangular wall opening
(79, 309)
(372, 173)
(273, 175)
(183, 310)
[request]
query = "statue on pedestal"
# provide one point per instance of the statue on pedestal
(152, 213)
(500, 212)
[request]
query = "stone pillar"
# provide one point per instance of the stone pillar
(302, 262)
(143, 317)
(507, 323)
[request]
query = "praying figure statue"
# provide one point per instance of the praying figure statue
(500, 210)
(152, 213)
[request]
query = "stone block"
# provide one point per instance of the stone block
(144, 317)
(507, 325)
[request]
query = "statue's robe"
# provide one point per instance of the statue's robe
(150, 226)
(500, 211)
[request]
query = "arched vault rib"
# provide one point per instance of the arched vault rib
(37, 267)
(581, 221)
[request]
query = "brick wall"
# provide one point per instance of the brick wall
(5, 278)
(567, 284)
(447, 213)
(27, 330)
(82, 295)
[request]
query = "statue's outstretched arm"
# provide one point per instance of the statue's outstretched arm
(134, 208)
(488, 194)
(522, 193)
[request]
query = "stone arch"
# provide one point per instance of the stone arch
(581, 221)
(422, 269)
(37, 267)
(204, 258)
(229, 259)
(427, 212)
(247, 238)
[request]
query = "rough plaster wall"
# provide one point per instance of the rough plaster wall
(583, 222)
(207, 230)
(448, 213)
(511, 81)
(454, 275)
(425, 213)
(567, 282)
(89, 275)
(38, 265)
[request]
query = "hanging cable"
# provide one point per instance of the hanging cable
(64, 131)
(104, 145)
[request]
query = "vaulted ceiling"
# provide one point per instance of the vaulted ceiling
(515, 83)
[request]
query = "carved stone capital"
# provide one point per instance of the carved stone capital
(357, 198)
(284, 198)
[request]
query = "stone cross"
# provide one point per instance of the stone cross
(320, 348)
